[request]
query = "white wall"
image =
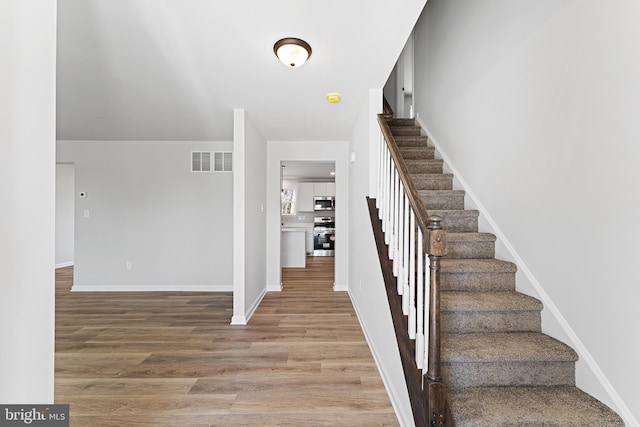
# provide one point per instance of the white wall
(328, 151)
(146, 206)
(366, 285)
(537, 104)
(65, 177)
(27, 194)
(250, 152)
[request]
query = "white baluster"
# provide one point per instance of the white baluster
(427, 294)
(383, 187)
(395, 221)
(406, 302)
(412, 274)
(420, 347)
(379, 172)
(401, 242)
(386, 222)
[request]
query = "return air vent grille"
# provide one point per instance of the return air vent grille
(206, 161)
(223, 162)
(201, 161)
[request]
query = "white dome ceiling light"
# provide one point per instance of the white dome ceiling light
(292, 52)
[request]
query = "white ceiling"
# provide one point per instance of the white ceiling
(176, 69)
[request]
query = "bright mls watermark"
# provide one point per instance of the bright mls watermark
(34, 415)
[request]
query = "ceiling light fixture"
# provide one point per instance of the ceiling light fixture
(292, 52)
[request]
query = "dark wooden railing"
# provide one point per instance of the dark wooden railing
(412, 237)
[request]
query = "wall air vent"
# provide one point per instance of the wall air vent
(201, 161)
(222, 161)
(206, 161)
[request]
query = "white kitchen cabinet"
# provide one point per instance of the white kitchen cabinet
(304, 198)
(331, 189)
(322, 189)
(309, 240)
(292, 248)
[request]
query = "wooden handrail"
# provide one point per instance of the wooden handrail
(405, 177)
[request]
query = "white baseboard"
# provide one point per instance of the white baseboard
(255, 305)
(238, 321)
(405, 420)
(575, 342)
(340, 288)
(243, 319)
(152, 288)
(64, 264)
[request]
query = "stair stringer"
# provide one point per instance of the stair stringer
(589, 376)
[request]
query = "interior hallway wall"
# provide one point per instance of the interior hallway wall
(27, 195)
(249, 217)
(366, 284)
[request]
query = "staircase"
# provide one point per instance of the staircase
(500, 369)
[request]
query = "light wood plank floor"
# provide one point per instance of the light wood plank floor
(171, 359)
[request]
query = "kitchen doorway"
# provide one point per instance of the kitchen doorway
(307, 214)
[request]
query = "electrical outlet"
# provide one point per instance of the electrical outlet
(129, 265)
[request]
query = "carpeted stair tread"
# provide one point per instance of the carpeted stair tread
(563, 406)
(417, 153)
(412, 141)
(505, 347)
(398, 122)
(470, 237)
(472, 312)
(405, 130)
(477, 266)
(424, 165)
(442, 199)
(440, 192)
(432, 181)
(470, 245)
(488, 302)
(461, 220)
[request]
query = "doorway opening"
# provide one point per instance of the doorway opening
(65, 214)
(398, 89)
(307, 215)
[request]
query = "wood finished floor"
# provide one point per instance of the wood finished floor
(171, 359)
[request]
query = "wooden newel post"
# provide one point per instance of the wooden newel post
(436, 393)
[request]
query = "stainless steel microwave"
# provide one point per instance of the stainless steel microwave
(324, 203)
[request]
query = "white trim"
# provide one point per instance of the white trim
(277, 288)
(152, 288)
(239, 218)
(340, 288)
(238, 320)
(64, 264)
(244, 319)
(405, 420)
(576, 343)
